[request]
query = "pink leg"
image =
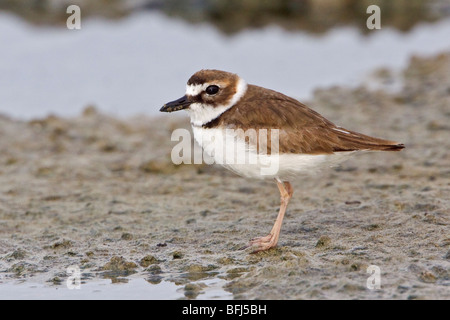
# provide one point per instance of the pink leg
(271, 240)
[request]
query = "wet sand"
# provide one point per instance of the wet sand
(102, 194)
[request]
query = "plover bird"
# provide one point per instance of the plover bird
(265, 134)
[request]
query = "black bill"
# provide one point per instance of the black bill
(176, 105)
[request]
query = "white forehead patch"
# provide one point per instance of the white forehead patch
(196, 89)
(203, 113)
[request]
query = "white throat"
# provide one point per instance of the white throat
(202, 113)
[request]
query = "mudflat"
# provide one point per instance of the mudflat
(102, 194)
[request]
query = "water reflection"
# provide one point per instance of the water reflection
(136, 64)
(125, 289)
(134, 289)
(233, 16)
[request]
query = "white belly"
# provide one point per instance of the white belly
(222, 147)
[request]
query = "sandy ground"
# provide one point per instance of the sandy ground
(102, 194)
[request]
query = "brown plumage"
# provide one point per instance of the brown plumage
(302, 130)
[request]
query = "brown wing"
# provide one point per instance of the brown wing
(301, 129)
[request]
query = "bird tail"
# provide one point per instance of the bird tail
(358, 141)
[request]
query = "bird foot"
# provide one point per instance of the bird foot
(261, 243)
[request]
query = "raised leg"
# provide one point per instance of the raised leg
(271, 240)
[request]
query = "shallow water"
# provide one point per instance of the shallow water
(136, 64)
(132, 289)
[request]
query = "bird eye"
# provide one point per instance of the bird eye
(213, 89)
